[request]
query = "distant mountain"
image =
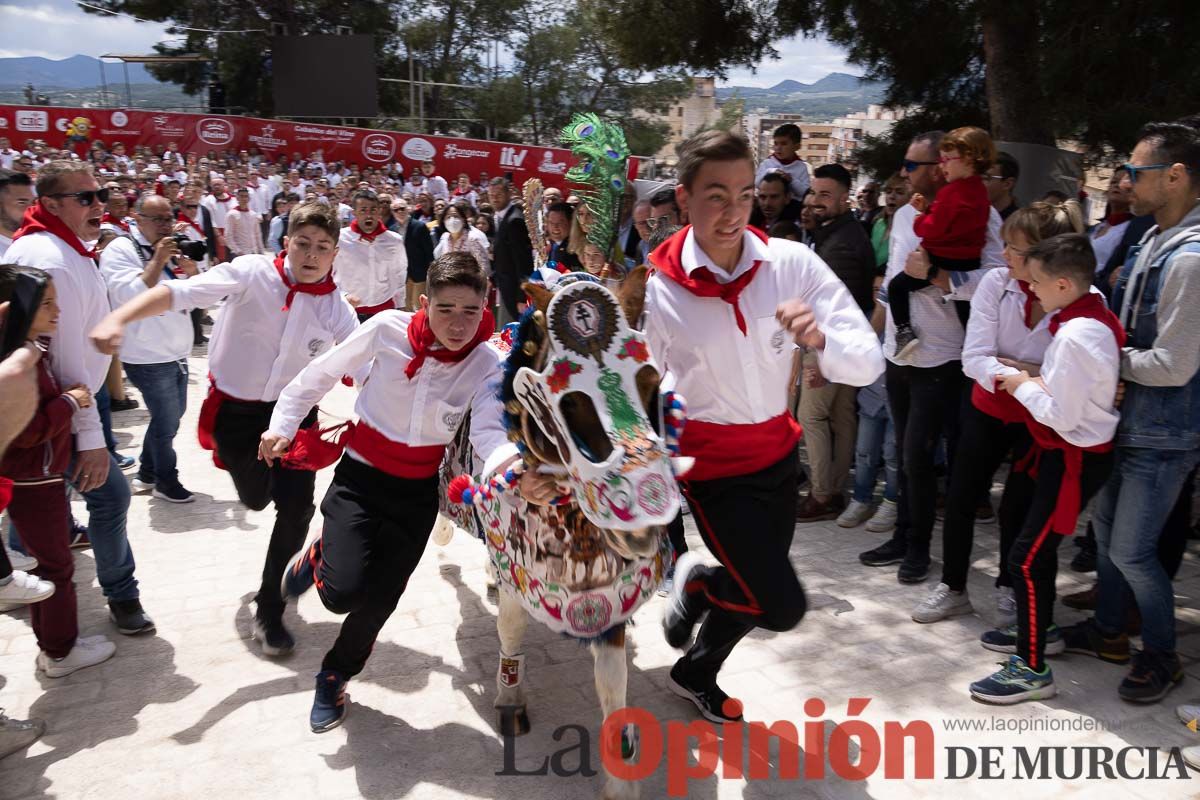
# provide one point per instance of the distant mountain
(76, 72)
(832, 96)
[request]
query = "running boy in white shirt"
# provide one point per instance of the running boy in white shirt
(421, 372)
(281, 313)
(1071, 416)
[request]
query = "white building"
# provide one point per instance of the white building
(848, 131)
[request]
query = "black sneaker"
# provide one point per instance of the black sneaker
(906, 341)
(1085, 637)
(301, 571)
(275, 639)
(890, 552)
(913, 569)
(173, 493)
(714, 704)
(1151, 677)
(129, 616)
(681, 615)
(128, 404)
(329, 704)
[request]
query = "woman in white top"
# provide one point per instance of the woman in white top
(460, 237)
(1007, 332)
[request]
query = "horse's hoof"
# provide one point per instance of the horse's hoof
(514, 721)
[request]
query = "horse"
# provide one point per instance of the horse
(581, 400)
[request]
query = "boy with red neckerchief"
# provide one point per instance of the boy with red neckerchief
(281, 313)
(420, 374)
(724, 307)
(372, 264)
(1070, 413)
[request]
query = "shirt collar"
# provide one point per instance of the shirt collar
(693, 257)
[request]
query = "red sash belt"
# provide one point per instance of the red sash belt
(1070, 497)
(722, 451)
(367, 311)
(998, 404)
(395, 458)
(208, 419)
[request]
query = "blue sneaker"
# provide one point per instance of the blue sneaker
(1004, 640)
(329, 704)
(301, 571)
(1015, 682)
(125, 462)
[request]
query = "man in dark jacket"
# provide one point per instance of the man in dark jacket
(418, 246)
(827, 410)
(774, 202)
(513, 254)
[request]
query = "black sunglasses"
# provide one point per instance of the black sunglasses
(911, 166)
(85, 198)
(191, 205)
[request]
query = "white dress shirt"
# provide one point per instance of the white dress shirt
(436, 186)
(243, 233)
(419, 412)
(997, 330)
(1105, 239)
(5, 243)
(155, 340)
(797, 171)
(731, 379)
(933, 315)
(372, 271)
(1080, 372)
(83, 300)
(257, 347)
(218, 208)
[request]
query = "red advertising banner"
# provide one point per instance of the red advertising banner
(203, 134)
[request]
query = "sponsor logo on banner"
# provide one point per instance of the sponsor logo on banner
(62, 124)
(378, 147)
(418, 149)
(28, 120)
(214, 131)
(164, 128)
(550, 166)
(267, 140)
(316, 133)
(119, 119)
(457, 151)
(509, 157)
(3, 122)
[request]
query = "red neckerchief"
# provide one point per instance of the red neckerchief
(1030, 299)
(323, 286)
(38, 220)
(369, 237)
(702, 283)
(119, 223)
(185, 218)
(1090, 306)
(1116, 218)
(422, 340)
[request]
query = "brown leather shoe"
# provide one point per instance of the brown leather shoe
(813, 510)
(1085, 600)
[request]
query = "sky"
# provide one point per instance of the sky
(59, 29)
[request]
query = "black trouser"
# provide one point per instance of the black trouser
(747, 522)
(238, 429)
(197, 314)
(675, 533)
(375, 529)
(1033, 560)
(5, 564)
(899, 290)
(924, 400)
(984, 443)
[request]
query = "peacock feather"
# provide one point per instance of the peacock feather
(602, 152)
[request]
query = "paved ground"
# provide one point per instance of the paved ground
(197, 712)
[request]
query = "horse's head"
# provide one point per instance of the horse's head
(581, 394)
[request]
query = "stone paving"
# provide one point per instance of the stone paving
(196, 711)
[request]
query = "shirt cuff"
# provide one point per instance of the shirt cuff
(498, 456)
(89, 440)
(1027, 391)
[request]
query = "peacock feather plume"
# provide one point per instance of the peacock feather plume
(602, 152)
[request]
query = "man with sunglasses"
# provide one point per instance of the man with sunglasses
(1157, 298)
(57, 236)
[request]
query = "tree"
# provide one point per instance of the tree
(241, 61)
(1039, 71)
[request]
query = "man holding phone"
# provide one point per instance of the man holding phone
(57, 235)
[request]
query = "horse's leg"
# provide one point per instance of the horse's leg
(612, 675)
(510, 695)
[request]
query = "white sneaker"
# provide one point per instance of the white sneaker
(855, 514)
(1006, 607)
(24, 589)
(942, 603)
(1188, 713)
(86, 653)
(884, 520)
(138, 485)
(1191, 756)
(19, 560)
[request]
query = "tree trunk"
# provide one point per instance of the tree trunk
(1016, 101)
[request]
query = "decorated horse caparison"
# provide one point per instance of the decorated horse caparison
(581, 395)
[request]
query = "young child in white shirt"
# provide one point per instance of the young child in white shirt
(1071, 415)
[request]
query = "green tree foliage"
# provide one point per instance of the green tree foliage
(1038, 71)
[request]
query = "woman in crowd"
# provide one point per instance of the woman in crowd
(896, 193)
(458, 237)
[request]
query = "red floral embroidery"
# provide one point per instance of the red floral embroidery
(635, 349)
(561, 377)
